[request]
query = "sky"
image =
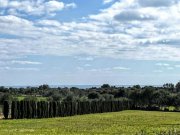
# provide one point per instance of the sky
(89, 42)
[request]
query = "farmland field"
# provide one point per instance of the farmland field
(125, 122)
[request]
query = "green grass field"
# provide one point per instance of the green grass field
(125, 122)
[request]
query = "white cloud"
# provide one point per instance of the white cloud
(107, 1)
(84, 58)
(107, 69)
(25, 62)
(18, 69)
(101, 35)
(54, 5)
(71, 5)
(49, 23)
(130, 15)
(163, 64)
(32, 7)
(121, 68)
(167, 66)
(3, 3)
(11, 19)
(109, 13)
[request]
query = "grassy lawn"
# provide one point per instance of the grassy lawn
(125, 122)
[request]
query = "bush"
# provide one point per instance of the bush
(57, 97)
(69, 98)
(108, 97)
(93, 95)
(5, 97)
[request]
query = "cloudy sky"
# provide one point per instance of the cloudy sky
(62, 42)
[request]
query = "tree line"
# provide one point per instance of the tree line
(43, 109)
(142, 97)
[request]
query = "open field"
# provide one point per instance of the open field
(125, 122)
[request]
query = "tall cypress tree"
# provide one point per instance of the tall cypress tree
(6, 109)
(34, 109)
(28, 109)
(47, 110)
(58, 109)
(13, 110)
(38, 110)
(50, 109)
(42, 109)
(18, 109)
(21, 109)
(54, 109)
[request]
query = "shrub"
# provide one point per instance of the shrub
(93, 95)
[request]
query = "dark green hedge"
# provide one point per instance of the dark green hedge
(42, 109)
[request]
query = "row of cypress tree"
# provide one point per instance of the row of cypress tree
(42, 109)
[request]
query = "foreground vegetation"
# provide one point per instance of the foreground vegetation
(125, 122)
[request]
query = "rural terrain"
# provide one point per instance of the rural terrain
(134, 110)
(117, 123)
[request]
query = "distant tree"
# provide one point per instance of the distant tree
(161, 97)
(2, 89)
(105, 86)
(57, 97)
(69, 98)
(135, 95)
(156, 98)
(108, 96)
(50, 99)
(169, 87)
(83, 99)
(93, 95)
(147, 95)
(137, 87)
(43, 87)
(177, 100)
(5, 97)
(74, 88)
(178, 87)
(120, 93)
(171, 100)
